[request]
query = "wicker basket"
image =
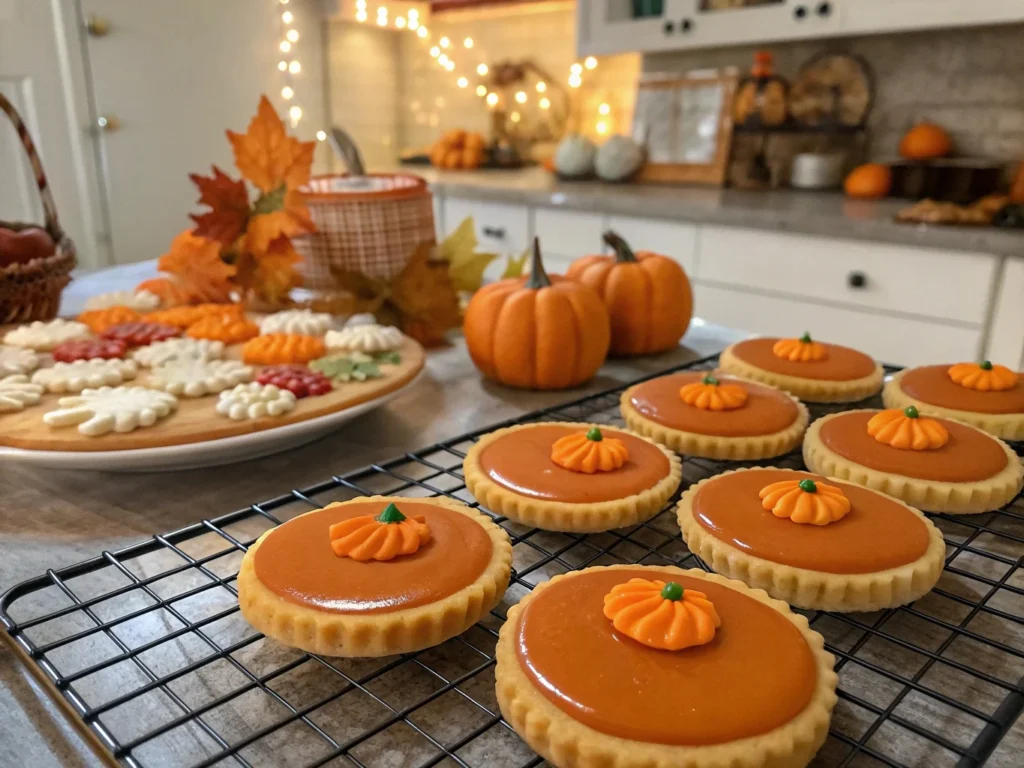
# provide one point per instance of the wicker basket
(31, 290)
(369, 225)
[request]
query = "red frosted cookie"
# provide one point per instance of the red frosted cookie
(297, 379)
(141, 334)
(89, 349)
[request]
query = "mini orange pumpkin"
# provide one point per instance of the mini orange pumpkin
(661, 614)
(983, 376)
(537, 332)
(709, 394)
(589, 452)
(383, 537)
(907, 430)
(99, 320)
(283, 349)
(871, 181)
(925, 141)
(648, 296)
(805, 501)
(802, 350)
(228, 328)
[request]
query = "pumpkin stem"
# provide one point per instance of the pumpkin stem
(623, 253)
(672, 591)
(910, 412)
(807, 486)
(538, 277)
(806, 338)
(985, 365)
(391, 515)
(709, 379)
(595, 434)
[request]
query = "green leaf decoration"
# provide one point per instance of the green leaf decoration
(388, 358)
(516, 265)
(269, 202)
(352, 367)
(465, 266)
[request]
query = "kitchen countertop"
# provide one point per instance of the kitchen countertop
(828, 214)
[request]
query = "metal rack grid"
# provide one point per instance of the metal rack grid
(146, 649)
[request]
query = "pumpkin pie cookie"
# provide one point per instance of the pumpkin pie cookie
(934, 464)
(984, 395)
(812, 541)
(632, 666)
(717, 417)
(571, 477)
(814, 371)
(375, 576)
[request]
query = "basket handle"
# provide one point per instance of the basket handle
(49, 207)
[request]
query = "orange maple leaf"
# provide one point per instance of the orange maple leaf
(229, 204)
(195, 263)
(267, 156)
(289, 220)
(275, 274)
(171, 291)
(425, 297)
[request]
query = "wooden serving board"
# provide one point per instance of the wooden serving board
(196, 419)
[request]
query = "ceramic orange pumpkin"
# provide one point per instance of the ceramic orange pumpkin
(925, 141)
(869, 182)
(537, 332)
(648, 296)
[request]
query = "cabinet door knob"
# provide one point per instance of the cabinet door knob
(497, 233)
(857, 280)
(97, 26)
(108, 123)
(824, 9)
(686, 25)
(669, 27)
(800, 13)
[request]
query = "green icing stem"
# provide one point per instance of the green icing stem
(709, 379)
(672, 591)
(390, 515)
(808, 486)
(595, 434)
(910, 412)
(985, 365)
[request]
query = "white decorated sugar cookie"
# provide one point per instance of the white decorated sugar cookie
(16, 392)
(140, 301)
(15, 360)
(361, 318)
(117, 409)
(251, 401)
(83, 374)
(303, 322)
(365, 338)
(172, 350)
(196, 378)
(45, 336)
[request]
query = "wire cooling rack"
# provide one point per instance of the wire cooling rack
(145, 647)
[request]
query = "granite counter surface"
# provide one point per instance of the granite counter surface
(826, 214)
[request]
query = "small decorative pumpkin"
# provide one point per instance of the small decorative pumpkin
(805, 501)
(648, 296)
(589, 452)
(383, 537)
(983, 376)
(537, 332)
(709, 394)
(871, 181)
(661, 615)
(575, 157)
(618, 159)
(925, 141)
(802, 350)
(907, 430)
(458, 149)
(283, 349)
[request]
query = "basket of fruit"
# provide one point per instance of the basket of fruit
(35, 261)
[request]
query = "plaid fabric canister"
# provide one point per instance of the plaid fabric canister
(370, 225)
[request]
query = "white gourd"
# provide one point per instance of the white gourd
(575, 156)
(618, 158)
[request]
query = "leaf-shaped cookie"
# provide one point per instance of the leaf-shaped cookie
(352, 367)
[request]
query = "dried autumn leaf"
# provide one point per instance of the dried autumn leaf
(171, 291)
(229, 206)
(425, 298)
(275, 274)
(280, 213)
(267, 156)
(196, 263)
(516, 265)
(466, 266)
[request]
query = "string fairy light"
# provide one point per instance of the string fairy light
(288, 68)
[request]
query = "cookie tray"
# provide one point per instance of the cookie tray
(145, 650)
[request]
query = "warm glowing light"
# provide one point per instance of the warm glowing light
(400, 22)
(282, 65)
(287, 17)
(602, 127)
(287, 92)
(481, 90)
(413, 23)
(521, 97)
(462, 82)
(285, 46)
(445, 42)
(382, 11)
(283, 2)
(515, 117)
(295, 113)
(545, 103)
(576, 68)
(481, 70)
(449, 65)
(541, 87)
(414, 13)
(590, 62)
(321, 136)
(575, 81)
(361, 5)
(604, 109)
(492, 99)
(293, 36)
(443, 59)
(295, 67)
(422, 31)
(382, 21)
(435, 51)
(361, 16)
(468, 42)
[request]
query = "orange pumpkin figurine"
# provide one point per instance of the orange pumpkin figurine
(228, 328)
(802, 350)
(589, 452)
(925, 141)
(537, 332)
(661, 614)
(805, 501)
(871, 181)
(983, 376)
(282, 349)
(709, 394)
(648, 296)
(99, 320)
(907, 429)
(383, 537)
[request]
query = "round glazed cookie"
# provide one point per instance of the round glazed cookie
(375, 576)
(563, 476)
(984, 395)
(814, 371)
(934, 464)
(812, 541)
(633, 666)
(700, 414)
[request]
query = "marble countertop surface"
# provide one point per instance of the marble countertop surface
(828, 214)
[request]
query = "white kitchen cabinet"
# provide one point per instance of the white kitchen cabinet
(868, 16)
(1006, 339)
(669, 238)
(567, 235)
(501, 228)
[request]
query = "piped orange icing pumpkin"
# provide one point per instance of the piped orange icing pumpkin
(589, 452)
(802, 350)
(183, 317)
(983, 376)
(907, 429)
(661, 614)
(383, 537)
(100, 320)
(805, 501)
(283, 348)
(228, 328)
(710, 394)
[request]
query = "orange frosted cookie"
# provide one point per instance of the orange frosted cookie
(183, 317)
(100, 320)
(283, 348)
(230, 329)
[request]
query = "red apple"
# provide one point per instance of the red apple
(21, 246)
